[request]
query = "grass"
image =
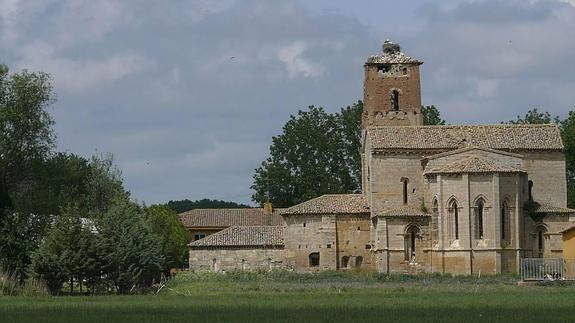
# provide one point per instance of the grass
(325, 297)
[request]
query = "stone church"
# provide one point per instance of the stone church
(462, 199)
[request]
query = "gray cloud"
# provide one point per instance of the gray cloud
(187, 94)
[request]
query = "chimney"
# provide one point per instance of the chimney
(268, 208)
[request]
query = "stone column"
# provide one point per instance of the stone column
(466, 223)
(441, 214)
(518, 221)
(496, 208)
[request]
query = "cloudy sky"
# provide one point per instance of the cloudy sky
(187, 94)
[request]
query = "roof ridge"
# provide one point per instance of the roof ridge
(502, 125)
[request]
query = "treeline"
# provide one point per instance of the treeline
(187, 205)
(66, 219)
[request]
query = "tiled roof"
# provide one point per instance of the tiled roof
(392, 58)
(405, 210)
(474, 164)
(229, 217)
(331, 204)
(546, 208)
(243, 236)
(503, 137)
(568, 228)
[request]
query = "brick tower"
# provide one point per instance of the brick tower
(391, 89)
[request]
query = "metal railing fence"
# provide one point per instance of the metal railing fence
(547, 269)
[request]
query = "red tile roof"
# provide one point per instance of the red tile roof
(221, 218)
(243, 236)
(331, 204)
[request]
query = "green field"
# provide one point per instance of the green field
(329, 297)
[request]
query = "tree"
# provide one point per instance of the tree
(132, 252)
(568, 135)
(317, 153)
(57, 259)
(26, 138)
(349, 120)
(174, 237)
(431, 116)
(104, 185)
(533, 116)
(186, 205)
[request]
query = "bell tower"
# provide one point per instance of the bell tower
(391, 89)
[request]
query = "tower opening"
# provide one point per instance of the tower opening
(395, 100)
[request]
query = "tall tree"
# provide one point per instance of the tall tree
(57, 259)
(132, 252)
(431, 116)
(317, 153)
(26, 139)
(568, 135)
(174, 237)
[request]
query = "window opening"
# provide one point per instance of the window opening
(395, 100)
(344, 261)
(358, 261)
(314, 259)
(480, 220)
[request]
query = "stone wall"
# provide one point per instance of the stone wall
(547, 171)
(377, 97)
(353, 241)
(333, 237)
(386, 174)
(222, 260)
(307, 234)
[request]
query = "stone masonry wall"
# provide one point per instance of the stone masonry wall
(306, 234)
(222, 260)
(377, 98)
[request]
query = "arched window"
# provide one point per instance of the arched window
(314, 259)
(435, 206)
(505, 225)
(404, 181)
(454, 210)
(410, 243)
(530, 183)
(358, 261)
(344, 261)
(479, 208)
(395, 100)
(540, 243)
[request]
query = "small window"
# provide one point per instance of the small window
(199, 235)
(367, 246)
(304, 224)
(358, 228)
(404, 181)
(358, 261)
(479, 220)
(505, 223)
(344, 261)
(314, 259)
(404, 70)
(395, 100)
(454, 219)
(530, 183)
(329, 246)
